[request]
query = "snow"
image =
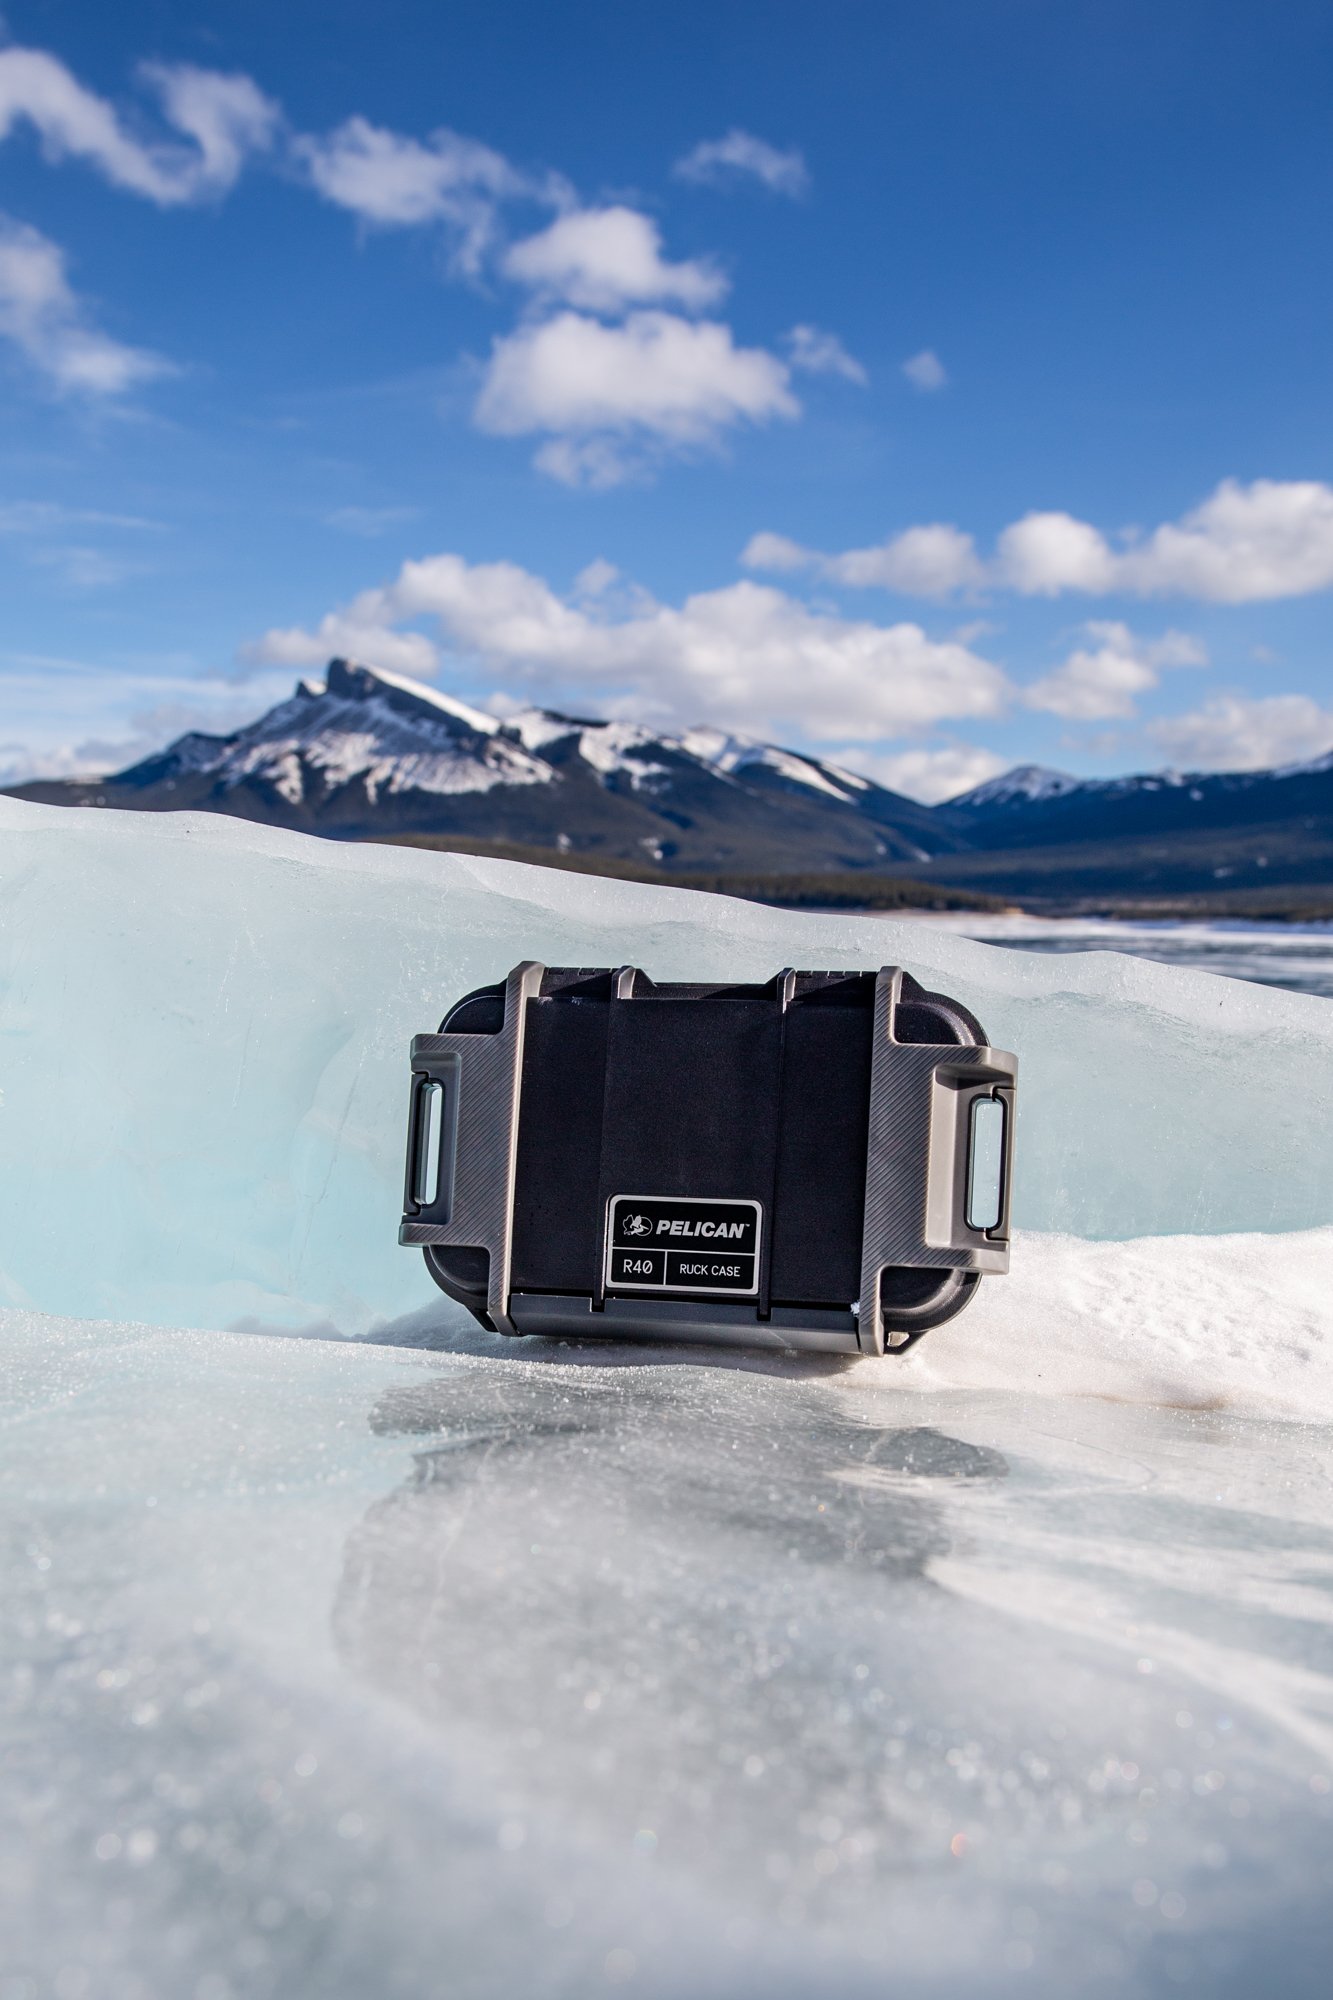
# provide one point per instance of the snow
(728, 754)
(610, 747)
(474, 719)
(363, 737)
(1025, 781)
(538, 727)
(1309, 767)
(355, 1666)
(1241, 1323)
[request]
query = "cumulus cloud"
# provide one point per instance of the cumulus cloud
(605, 259)
(928, 775)
(820, 353)
(1243, 545)
(930, 561)
(603, 394)
(43, 318)
(1102, 679)
(394, 181)
(925, 371)
(740, 156)
(744, 657)
(226, 116)
(1045, 554)
(1236, 733)
(776, 552)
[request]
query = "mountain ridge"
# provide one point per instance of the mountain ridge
(367, 754)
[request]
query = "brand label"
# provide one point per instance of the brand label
(671, 1243)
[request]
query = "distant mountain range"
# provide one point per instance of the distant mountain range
(367, 755)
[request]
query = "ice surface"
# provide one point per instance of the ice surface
(1296, 956)
(203, 1057)
(439, 1663)
(337, 1670)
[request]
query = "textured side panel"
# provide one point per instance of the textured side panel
(488, 1069)
(916, 1157)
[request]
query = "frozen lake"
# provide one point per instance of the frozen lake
(349, 1652)
(1297, 958)
(568, 1671)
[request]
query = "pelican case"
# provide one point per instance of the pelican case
(821, 1161)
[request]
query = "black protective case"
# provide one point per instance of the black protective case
(715, 1093)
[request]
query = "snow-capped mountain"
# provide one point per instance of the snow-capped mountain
(366, 753)
(1025, 782)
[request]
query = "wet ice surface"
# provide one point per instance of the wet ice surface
(353, 1670)
(1298, 958)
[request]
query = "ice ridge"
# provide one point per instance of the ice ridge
(203, 1056)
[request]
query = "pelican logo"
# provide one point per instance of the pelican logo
(682, 1243)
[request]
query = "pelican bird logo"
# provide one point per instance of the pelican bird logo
(637, 1225)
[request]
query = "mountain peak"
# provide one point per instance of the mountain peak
(1026, 781)
(352, 680)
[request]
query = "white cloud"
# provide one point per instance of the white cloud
(1103, 679)
(718, 162)
(822, 353)
(928, 775)
(744, 657)
(925, 371)
(392, 180)
(605, 259)
(776, 552)
(596, 578)
(1273, 538)
(1236, 733)
(1044, 554)
(64, 718)
(359, 632)
(227, 117)
(1243, 545)
(930, 561)
(603, 393)
(41, 315)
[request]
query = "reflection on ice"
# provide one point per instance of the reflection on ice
(673, 1678)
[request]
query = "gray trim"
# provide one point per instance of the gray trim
(709, 1324)
(921, 1097)
(475, 1205)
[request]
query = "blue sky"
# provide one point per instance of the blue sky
(939, 386)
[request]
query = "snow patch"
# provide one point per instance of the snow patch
(1239, 1323)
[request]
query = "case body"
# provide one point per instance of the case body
(781, 1165)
